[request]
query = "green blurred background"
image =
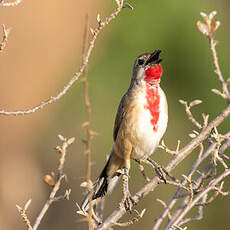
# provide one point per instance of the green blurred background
(44, 51)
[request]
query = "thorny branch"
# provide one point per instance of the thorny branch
(53, 181)
(95, 32)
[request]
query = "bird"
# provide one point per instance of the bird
(140, 123)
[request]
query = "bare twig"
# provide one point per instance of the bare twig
(173, 201)
(23, 214)
(95, 32)
(211, 186)
(133, 220)
(208, 29)
(200, 213)
(53, 182)
(190, 182)
(88, 128)
(6, 4)
(173, 152)
(218, 138)
(189, 113)
(62, 150)
(179, 185)
(165, 206)
(142, 170)
(198, 180)
(4, 38)
(213, 44)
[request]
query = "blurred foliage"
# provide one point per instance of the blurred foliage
(188, 75)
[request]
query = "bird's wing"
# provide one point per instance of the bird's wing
(120, 115)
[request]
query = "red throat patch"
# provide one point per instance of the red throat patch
(152, 77)
(153, 104)
(153, 73)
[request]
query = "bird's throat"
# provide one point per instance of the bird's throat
(153, 103)
(153, 73)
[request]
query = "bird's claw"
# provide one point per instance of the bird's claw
(128, 202)
(160, 173)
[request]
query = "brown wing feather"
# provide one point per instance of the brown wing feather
(119, 116)
(121, 113)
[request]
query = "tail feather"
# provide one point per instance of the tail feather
(105, 182)
(99, 190)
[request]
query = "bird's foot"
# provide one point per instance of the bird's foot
(160, 171)
(128, 203)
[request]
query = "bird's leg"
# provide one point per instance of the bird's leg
(127, 200)
(160, 171)
(141, 168)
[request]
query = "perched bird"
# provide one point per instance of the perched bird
(140, 123)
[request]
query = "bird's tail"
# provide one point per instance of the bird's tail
(106, 181)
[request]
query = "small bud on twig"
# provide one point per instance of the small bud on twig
(195, 102)
(49, 180)
(210, 26)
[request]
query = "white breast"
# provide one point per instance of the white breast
(147, 138)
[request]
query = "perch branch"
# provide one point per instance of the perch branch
(200, 213)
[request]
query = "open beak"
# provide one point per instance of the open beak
(154, 58)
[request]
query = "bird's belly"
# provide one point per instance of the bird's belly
(146, 136)
(145, 141)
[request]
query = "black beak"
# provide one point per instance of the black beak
(154, 58)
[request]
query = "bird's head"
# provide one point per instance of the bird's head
(147, 67)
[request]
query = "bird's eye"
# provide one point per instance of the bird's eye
(140, 61)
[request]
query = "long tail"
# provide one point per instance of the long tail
(106, 181)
